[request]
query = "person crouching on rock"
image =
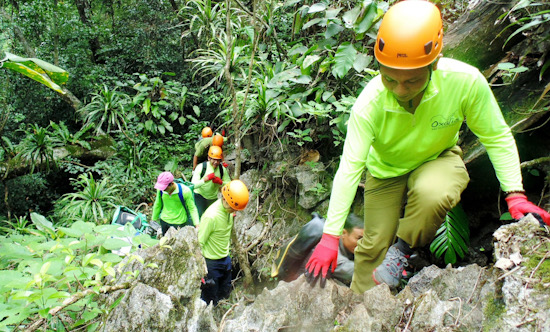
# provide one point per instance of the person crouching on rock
(215, 237)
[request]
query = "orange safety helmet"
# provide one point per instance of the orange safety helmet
(236, 194)
(410, 36)
(215, 152)
(206, 132)
(217, 140)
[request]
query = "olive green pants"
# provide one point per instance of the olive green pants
(431, 191)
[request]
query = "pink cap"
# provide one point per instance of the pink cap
(164, 179)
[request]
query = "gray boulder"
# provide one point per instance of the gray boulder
(165, 292)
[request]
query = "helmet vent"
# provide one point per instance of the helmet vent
(428, 47)
(381, 44)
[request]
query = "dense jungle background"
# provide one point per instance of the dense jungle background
(99, 96)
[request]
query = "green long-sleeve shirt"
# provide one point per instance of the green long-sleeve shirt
(202, 146)
(172, 209)
(209, 189)
(215, 231)
(389, 141)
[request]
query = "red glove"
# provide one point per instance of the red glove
(209, 177)
(324, 255)
(519, 206)
(217, 180)
(225, 164)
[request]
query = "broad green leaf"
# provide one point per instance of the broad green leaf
(197, 110)
(42, 223)
(298, 49)
(368, 19)
(114, 244)
(161, 129)
(45, 267)
(309, 60)
(88, 258)
(106, 229)
(149, 125)
(10, 278)
(350, 17)
(317, 7)
(313, 22)
(302, 79)
(505, 65)
(13, 251)
(343, 60)
(146, 106)
(37, 76)
(56, 74)
(16, 316)
(78, 229)
(332, 13)
(333, 29)
(361, 62)
(59, 295)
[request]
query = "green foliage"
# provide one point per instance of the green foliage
(530, 21)
(62, 136)
(528, 16)
(210, 62)
(93, 202)
(509, 71)
(158, 104)
(37, 148)
(107, 108)
(202, 21)
(452, 237)
(40, 272)
(318, 190)
(15, 227)
(301, 136)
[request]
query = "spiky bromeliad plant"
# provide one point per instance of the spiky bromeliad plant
(452, 237)
(93, 203)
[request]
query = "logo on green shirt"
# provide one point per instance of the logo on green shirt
(440, 122)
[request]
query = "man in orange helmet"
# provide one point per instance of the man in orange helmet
(208, 178)
(215, 238)
(202, 146)
(404, 129)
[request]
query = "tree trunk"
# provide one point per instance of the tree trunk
(84, 11)
(241, 255)
(55, 35)
(101, 150)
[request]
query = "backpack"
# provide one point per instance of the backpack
(191, 186)
(124, 215)
(204, 169)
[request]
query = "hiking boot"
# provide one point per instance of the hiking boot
(391, 270)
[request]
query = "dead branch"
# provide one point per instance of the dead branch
(54, 311)
(266, 230)
(222, 323)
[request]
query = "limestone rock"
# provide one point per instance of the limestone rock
(166, 298)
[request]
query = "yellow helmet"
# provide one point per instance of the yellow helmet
(236, 194)
(206, 132)
(215, 152)
(410, 36)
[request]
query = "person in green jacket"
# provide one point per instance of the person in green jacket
(215, 238)
(209, 181)
(202, 147)
(168, 206)
(403, 130)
